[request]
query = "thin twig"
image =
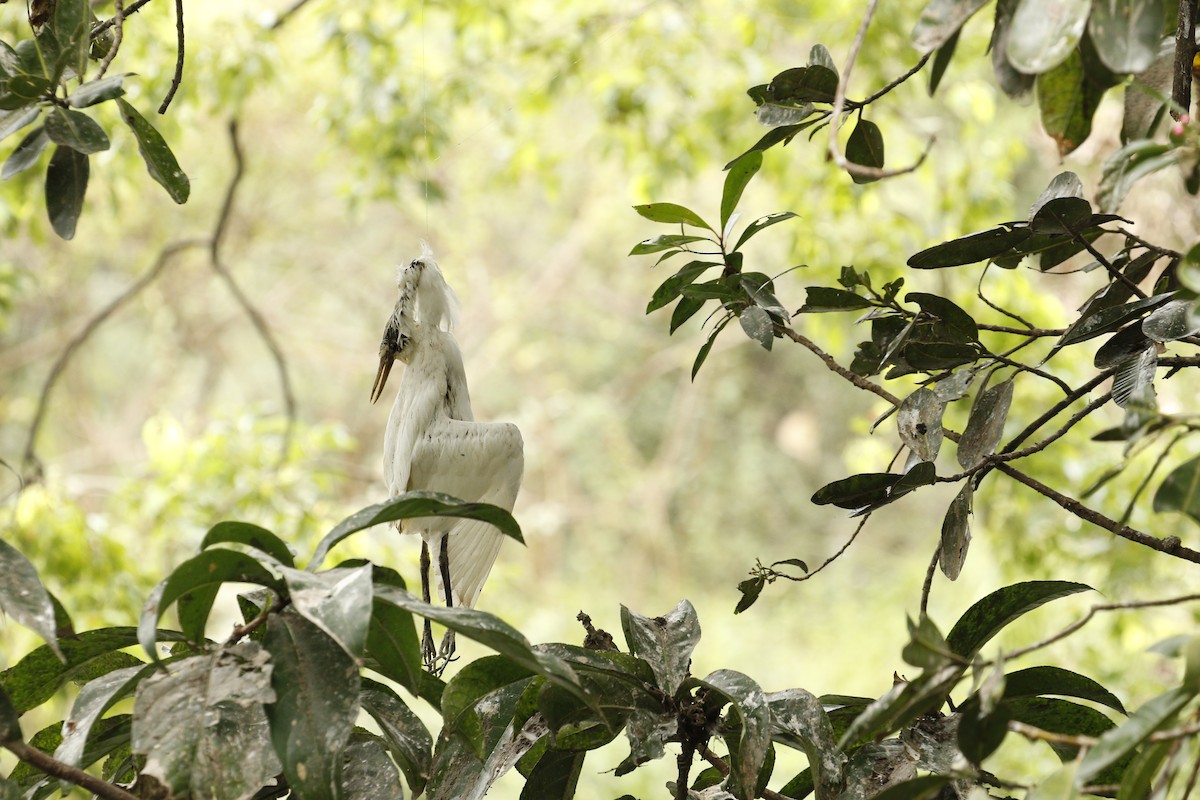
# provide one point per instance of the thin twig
(101, 27)
(177, 78)
(1171, 545)
(30, 459)
(256, 318)
(995, 307)
(242, 631)
(1057, 381)
(1158, 462)
(287, 13)
(828, 561)
(1113, 272)
(1035, 734)
(1093, 611)
(927, 587)
(1056, 409)
(915, 69)
(1034, 332)
(856, 379)
(118, 35)
(57, 769)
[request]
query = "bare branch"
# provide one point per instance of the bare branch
(118, 35)
(177, 78)
(857, 380)
(287, 13)
(1185, 52)
(1034, 734)
(1093, 611)
(101, 27)
(58, 769)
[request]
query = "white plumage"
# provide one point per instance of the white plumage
(432, 442)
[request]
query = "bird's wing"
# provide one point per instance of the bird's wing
(476, 462)
(417, 405)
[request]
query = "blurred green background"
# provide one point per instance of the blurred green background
(514, 140)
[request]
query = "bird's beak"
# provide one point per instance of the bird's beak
(393, 342)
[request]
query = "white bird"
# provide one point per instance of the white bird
(433, 444)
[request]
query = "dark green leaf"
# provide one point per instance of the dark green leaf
(1133, 381)
(26, 153)
(684, 310)
(555, 776)
(1180, 491)
(757, 324)
(956, 533)
(1043, 34)
(93, 92)
(815, 83)
(706, 348)
(472, 684)
(1067, 96)
(926, 646)
(71, 33)
(23, 597)
(750, 588)
(160, 161)
(971, 249)
(95, 698)
(66, 185)
(665, 643)
(821, 299)
(1131, 163)
(903, 703)
(856, 491)
(1062, 215)
(795, 562)
(657, 244)
(1138, 778)
(406, 737)
(671, 287)
(393, 649)
(10, 725)
(716, 289)
(933, 357)
(926, 787)
(959, 324)
(1121, 346)
(1106, 320)
(759, 224)
(980, 734)
(26, 89)
(1127, 33)
(1064, 184)
(671, 213)
(784, 134)
(212, 567)
(316, 685)
(740, 173)
(990, 615)
(338, 601)
(865, 148)
(940, 22)
(75, 130)
(985, 427)
(410, 506)
(249, 535)
(367, 772)
(941, 61)
(13, 121)
(1044, 680)
(1118, 743)
(1011, 81)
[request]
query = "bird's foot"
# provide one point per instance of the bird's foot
(429, 653)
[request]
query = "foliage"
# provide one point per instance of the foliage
(272, 707)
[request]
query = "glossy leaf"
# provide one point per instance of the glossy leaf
(941, 20)
(1106, 320)
(26, 154)
(15, 120)
(1175, 320)
(739, 175)
(1067, 98)
(1064, 184)
(671, 213)
(66, 185)
(555, 776)
(985, 427)
(1044, 32)
(1050, 680)
(919, 423)
(941, 62)
(970, 249)
(757, 325)
(23, 597)
(95, 698)
(989, 616)
(685, 309)
(338, 601)
(903, 703)
(316, 685)
(367, 772)
(1180, 491)
(1158, 713)
(1121, 346)
(76, 130)
(759, 224)
(671, 287)
(956, 533)
(665, 643)
(865, 148)
(1127, 166)
(93, 92)
(856, 491)
(1127, 33)
(959, 324)
(657, 244)
(472, 684)
(1062, 215)
(160, 161)
(393, 649)
(748, 748)
(406, 737)
(799, 720)
(815, 83)
(249, 535)
(706, 348)
(410, 506)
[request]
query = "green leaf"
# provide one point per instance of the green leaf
(75, 130)
(10, 724)
(249, 535)
(819, 55)
(1180, 491)
(71, 33)
(657, 244)
(671, 213)
(865, 148)
(665, 643)
(555, 776)
(406, 737)
(367, 772)
(760, 223)
(956, 533)
(27, 89)
(1127, 33)
(784, 134)
(799, 720)
(749, 745)
(959, 324)
(971, 249)
(93, 92)
(750, 588)
(24, 598)
(95, 698)
(201, 726)
(670, 288)
(160, 161)
(338, 601)
(16, 119)
(940, 22)
(1036, 681)
(410, 506)
(1106, 320)
(985, 426)
(1138, 778)
(1127, 166)
(26, 153)
(1059, 786)
(1175, 320)
(685, 309)
(823, 299)
(472, 684)
(856, 491)
(757, 324)
(66, 185)
(316, 685)
(1044, 32)
(212, 567)
(989, 616)
(926, 646)
(941, 62)
(926, 787)
(1067, 97)
(1158, 713)
(706, 348)
(1062, 215)
(743, 169)
(393, 649)
(815, 83)
(902, 704)
(919, 423)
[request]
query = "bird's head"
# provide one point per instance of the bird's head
(426, 301)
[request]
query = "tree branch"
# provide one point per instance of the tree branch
(1185, 52)
(118, 35)
(101, 27)
(857, 380)
(57, 769)
(177, 78)
(723, 768)
(1093, 611)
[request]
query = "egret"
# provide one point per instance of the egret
(432, 443)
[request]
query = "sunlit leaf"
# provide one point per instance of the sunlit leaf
(759, 224)
(24, 598)
(941, 20)
(1175, 320)
(1158, 713)
(671, 213)
(1127, 33)
(1044, 32)
(1067, 96)
(667, 241)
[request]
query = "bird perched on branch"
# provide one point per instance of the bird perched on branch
(432, 443)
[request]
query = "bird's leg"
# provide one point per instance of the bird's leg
(428, 653)
(447, 649)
